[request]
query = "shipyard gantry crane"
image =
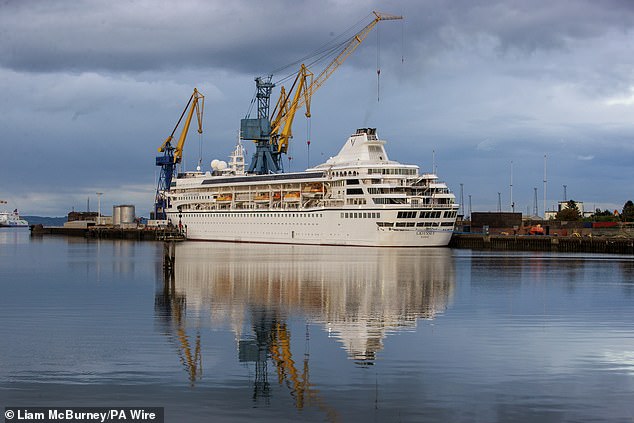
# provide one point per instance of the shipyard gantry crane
(173, 155)
(271, 135)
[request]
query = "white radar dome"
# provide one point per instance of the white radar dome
(214, 164)
(222, 165)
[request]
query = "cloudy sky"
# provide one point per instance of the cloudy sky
(484, 91)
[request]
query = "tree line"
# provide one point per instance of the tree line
(571, 213)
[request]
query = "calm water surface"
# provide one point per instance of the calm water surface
(285, 333)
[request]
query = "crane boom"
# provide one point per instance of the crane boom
(350, 47)
(281, 126)
(197, 102)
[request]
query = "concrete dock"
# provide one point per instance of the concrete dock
(105, 232)
(571, 244)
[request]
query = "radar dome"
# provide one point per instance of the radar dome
(214, 164)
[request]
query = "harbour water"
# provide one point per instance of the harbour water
(241, 332)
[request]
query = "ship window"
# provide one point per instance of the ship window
(406, 215)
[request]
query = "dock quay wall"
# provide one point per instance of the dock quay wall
(572, 244)
(543, 243)
(138, 234)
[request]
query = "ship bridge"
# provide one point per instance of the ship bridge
(362, 146)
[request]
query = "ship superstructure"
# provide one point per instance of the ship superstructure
(359, 197)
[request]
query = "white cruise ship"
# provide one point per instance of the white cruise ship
(359, 197)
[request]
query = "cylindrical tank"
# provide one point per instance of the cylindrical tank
(116, 215)
(127, 214)
(122, 214)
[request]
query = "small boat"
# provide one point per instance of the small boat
(292, 196)
(224, 198)
(313, 190)
(262, 198)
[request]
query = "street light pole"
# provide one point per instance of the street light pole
(99, 194)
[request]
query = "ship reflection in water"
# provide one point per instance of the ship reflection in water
(357, 295)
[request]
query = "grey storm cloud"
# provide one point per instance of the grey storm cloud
(45, 36)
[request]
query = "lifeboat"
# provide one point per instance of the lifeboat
(312, 190)
(261, 198)
(224, 198)
(292, 196)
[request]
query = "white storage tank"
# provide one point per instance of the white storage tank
(116, 215)
(123, 214)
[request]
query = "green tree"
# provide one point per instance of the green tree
(603, 216)
(603, 213)
(627, 215)
(570, 212)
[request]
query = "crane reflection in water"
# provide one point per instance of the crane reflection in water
(358, 295)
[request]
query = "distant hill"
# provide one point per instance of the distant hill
(46, 221)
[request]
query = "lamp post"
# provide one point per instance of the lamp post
(99, 194)
(462, 200)
(469, 206)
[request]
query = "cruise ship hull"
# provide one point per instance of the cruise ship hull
(317, 227)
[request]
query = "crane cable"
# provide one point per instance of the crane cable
(200, 152)
(403, 41)
(327, 49)
(378, 65)
(308, 136)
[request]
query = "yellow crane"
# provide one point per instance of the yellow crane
(284, 111)
(197, 103)
(272, 136)
(173, 155)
